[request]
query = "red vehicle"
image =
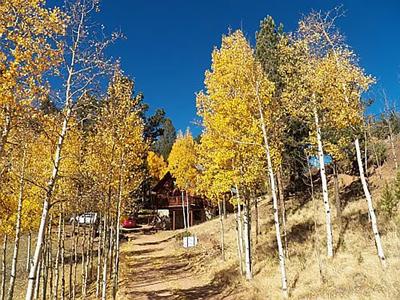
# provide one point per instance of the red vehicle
(129, 223)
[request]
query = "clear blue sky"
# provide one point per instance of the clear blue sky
(169, 43)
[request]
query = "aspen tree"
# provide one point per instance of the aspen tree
(182, 165)
(83, 64)
(236, 73)
(3, 267)
(352, 83)
(13, 272)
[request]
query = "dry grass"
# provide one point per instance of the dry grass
(22, 275)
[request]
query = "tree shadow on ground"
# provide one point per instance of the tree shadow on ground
(218, 286)
(351, 193)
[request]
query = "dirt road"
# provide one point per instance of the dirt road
(153, 266)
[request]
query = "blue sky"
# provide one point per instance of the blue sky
(169, 43)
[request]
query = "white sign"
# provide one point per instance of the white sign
(189, 241)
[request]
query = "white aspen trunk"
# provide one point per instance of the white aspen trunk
(183, 211)
(221, 222)
(257, 218)
(37, 280)
(28, 255)
(117, 226)
(187, 210)
(5, 131)
(238, 240)
(105, 256)
(329, 235)
(36, 257)
(3, 268)
(57, 262)
(274, 201)
(83, 281)
(111, 249)
(13, 273)
(56, 162)
(99, 247)
(316, 239)
(371, 209)
(337, 196)
(45, 270)
(76, 241)
(240, 230)
(70, 257)
(283, 210)
(247, 243)
(50, 257)
(224, 208)
(62, 254)
(45, 210)
(86, 274)
(366, 153)
(91, 243)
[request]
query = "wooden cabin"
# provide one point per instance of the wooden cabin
(166, 199)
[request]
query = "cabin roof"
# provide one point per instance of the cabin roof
(160, 185)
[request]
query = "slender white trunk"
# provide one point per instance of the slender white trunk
(247, 243)
(329, 235)
(3, 268)
(28, 255)
(316, 236)
(50, 257)
(238, 240)
(13, 273)
(240, 230)
(187, 210)
(257, 226)
(371, 209)
(45, 270)
(57, 265)
(99, 247)
(71, 265)
(62, 254)
(6, 130)
(274, 200)
(110, 250)
(83, 260)
(117, 229)
(105, 256)
(183, 211)
(37, 280)
(76, 241)
(46, 204)
(283, 210)
(86, 273)
(56, 161)
(221, 222)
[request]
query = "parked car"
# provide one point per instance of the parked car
(129, 223)
(89, 218)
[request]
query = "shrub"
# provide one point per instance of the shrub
(389, 199)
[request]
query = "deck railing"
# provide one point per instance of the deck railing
(177, 201)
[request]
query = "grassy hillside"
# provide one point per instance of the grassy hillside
(355, 271)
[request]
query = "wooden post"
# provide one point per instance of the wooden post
(173, 220)
(191, 218)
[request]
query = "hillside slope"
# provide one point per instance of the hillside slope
(157, 267)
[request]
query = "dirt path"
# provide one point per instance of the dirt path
(153, 267)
